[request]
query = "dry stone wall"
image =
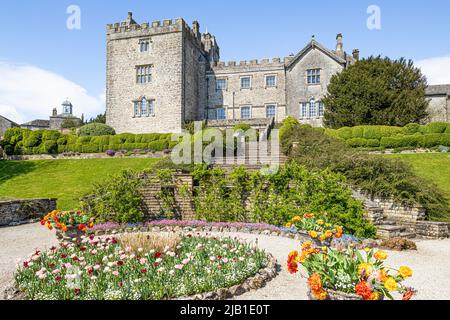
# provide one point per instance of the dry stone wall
(20, 211)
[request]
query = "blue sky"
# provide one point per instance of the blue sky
(36, 45)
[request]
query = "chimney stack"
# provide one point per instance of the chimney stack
(55, 112)
(340, 46)
(356, 54)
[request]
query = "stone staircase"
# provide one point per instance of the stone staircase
(386, 228)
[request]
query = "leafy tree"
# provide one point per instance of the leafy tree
(69, 124)
(96, 129)
(101, 118)
(376, 91)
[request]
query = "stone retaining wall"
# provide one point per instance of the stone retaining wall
(20, 211)
(184, 207)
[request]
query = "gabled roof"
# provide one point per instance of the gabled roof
(12, 122)
(438, 90)
(37, 123)
(311, 45)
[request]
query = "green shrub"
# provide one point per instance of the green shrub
(356, 142)
(242, 126)
(445, 139)
(345, 133)
(50, 135)
(372, 143)
(90, 148)
(84, 140)
(34, 139)
(117, 199)
(430, 140)
(50, 147)
(62, 141)
(435, 127)
(376, 175)
(101, 140)
(127, 137)
(96, 129)
(287, 123)
(72, 139)
(411, 128)
(358, 132)
(400, 141)
(277, 198)
(158, 145)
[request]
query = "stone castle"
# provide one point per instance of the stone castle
(164, 74)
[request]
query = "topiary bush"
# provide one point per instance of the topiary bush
(96, 129)
(34, 139)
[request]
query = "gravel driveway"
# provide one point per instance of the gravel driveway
(431, 263)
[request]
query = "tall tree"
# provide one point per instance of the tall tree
(376, 91)
(101, 118)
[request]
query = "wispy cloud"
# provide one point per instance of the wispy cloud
(29, 92)
(436, 69)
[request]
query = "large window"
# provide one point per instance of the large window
(271, 81)
(321, 109)
(246, 112)
(246, 82)
(144, 107)
(221, 114)
(221, 84)
(313, 76)
(144, 74)
(312, 108)
(271, 111)
(303, 110)
(217, 114)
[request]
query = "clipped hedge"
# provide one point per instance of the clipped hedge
(412, 135)
(19, 141)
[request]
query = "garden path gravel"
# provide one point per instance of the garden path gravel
(431, 263)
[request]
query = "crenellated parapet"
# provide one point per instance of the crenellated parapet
(251, 64)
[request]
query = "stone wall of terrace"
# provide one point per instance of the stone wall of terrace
(181, 188)
(13, 212)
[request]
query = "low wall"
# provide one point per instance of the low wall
(21, 211)
(61, 156)
(183, 206)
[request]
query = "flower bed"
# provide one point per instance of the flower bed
(256, 228)
(104, 268)
(349, 274)
(68, 225)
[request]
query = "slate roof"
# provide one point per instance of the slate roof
(38, 123)
(314, 44)
(438, 90)
(12, 122)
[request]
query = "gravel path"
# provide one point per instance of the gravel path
(431, 263)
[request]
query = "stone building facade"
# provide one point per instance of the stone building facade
(56, 120)
(439, 105)
(163, 74)
(6, 124)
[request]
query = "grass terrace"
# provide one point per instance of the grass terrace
(66, 180)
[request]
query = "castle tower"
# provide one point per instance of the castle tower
(211, 47)
(67, 108)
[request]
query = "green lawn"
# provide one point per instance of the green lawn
(66, 180)
(434, 167)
